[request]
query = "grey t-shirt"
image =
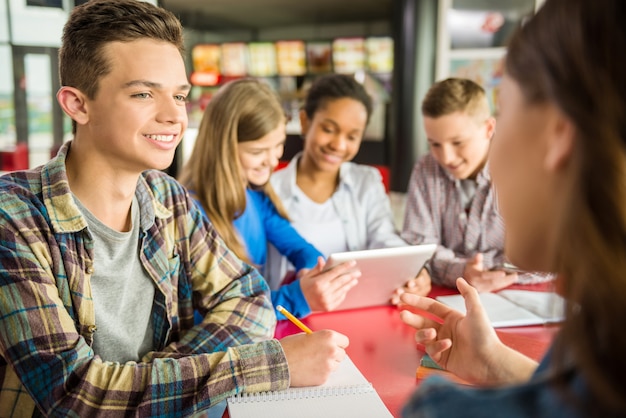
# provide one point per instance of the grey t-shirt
(122, 291)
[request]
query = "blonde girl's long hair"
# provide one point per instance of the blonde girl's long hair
(242, 110)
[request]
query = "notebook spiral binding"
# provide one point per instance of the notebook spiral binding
(301, 393)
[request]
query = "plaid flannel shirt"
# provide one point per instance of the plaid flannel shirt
(48, 321)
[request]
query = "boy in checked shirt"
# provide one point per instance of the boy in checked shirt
(450, 200)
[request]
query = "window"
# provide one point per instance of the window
(7, 111)
(45, 3)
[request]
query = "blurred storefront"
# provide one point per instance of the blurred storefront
(290, 66)
(397, 60)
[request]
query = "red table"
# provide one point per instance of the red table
(384, 348)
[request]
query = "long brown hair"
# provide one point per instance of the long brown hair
(242, 110)
(569, 55)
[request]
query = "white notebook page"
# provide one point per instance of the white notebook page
(345, 394)
(503, 312)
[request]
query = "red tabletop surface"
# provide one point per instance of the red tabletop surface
(385, 351)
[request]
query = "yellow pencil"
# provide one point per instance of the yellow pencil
(293, 319)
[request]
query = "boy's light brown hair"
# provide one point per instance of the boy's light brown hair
(456, 95)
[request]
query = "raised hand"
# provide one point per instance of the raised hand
(467, 345)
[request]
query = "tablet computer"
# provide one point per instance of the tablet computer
(382, 272)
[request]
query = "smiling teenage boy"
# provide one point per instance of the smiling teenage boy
(450, 200)
(104, 258)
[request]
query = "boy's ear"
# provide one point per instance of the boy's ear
(73, 103)
(560, 141)
(490, 126)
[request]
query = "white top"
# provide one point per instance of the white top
(319, 223)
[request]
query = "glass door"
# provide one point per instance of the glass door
(40, 122)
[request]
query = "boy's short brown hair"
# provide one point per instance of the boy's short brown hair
(96, 23)
(456, 95)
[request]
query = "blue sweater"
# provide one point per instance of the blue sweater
(261, 223)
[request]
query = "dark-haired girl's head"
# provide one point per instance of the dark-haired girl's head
(335, 115)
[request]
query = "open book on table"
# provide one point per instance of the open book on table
(345, 394)
(511, 308)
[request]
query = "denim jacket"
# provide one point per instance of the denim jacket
(438, 397)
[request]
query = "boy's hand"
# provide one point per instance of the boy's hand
(486, 280)
(419, 285)
(313, 357)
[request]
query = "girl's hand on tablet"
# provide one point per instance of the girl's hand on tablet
(323, 289)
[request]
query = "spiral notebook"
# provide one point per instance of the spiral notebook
(346, 394)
